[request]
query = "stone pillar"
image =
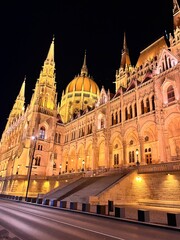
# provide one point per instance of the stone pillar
(142, 160)
(95, 154)
(110, 155)
(124, 152)
(76, 164)
(168, 151)
(161, 146)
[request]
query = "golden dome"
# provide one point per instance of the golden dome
(82, 83)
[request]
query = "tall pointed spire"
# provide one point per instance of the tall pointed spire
(50, 56)
(84, 70)
(125, 59)
(47, 74)
(45, 90)
(18, 107)
(22, 90)
(175, 6)
(176, 14)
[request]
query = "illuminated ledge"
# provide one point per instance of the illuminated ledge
(159, 203)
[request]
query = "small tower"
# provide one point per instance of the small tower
(18, 107)
(45, 95)
(176, 14)
(125, 66)
(125, 59)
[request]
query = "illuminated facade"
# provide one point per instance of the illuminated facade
(89, 128)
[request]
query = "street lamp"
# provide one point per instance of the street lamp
(30, 166)
(137, 153)
(83, 162)
(60, 167)
(17, 169)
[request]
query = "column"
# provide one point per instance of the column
(124, 152)
(141, 140)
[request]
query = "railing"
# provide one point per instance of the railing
(161, 167)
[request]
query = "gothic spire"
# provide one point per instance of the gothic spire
(176, 14)
(125, 59)
(175, 7)
(47, 74)
(18, 107)
(50, 56)
(84, 70)
(45, 89)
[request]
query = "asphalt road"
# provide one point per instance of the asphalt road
(33, 222)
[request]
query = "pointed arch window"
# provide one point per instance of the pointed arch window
(37, 161)
(112, 119)
(116, 118)
(135, 110)
(147, 105)
(54, 165)
(130, 112)
(153, 103)
(126, 114)
(39, 147)
(131, 157)
(170, 94)
(120, 116)
(102, 123)
(142, 107)
(57, 137)
(42, 133)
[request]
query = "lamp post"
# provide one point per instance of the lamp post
(137, 153)
(60, 167)
(17, 169)
(83, 162)
(30, 167)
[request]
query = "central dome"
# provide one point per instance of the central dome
(80, 95)
(82, 83)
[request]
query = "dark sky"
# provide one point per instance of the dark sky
(27, 29)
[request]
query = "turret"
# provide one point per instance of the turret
(45, 95)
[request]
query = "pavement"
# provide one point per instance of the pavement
(7, 235)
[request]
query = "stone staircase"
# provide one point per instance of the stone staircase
(98, 185)
(81, 189)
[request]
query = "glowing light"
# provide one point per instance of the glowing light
(138, 179)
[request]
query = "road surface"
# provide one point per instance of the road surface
(34, 222)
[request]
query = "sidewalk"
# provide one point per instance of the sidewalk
(7, 235)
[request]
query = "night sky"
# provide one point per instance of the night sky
(27, 29)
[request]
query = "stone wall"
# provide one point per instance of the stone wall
(134, 188)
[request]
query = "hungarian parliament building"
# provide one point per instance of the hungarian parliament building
(92, 129)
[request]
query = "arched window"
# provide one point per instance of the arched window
(126, 114)
(147, 105)
(116, 118)
(153, 103)
(39, 147)
(142, 107)
(120, 116)
(42, 133)
(55, 137)
(112, 119)
(37, 161)
(170, 94)
(135, 110)
(54, 165)
(59, 138)
(148, 155)
(130, 112)
(102, 123)
(129, 157)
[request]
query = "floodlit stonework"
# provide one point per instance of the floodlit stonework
(91, 129)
